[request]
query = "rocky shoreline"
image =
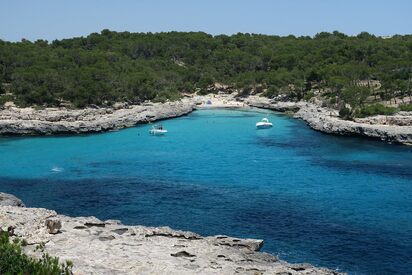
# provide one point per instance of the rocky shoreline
(51, 121)
(393, 129)
(28, 121)
(327, 121)
(109, 247)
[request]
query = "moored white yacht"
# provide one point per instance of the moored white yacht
(157, 130)
(264, 124)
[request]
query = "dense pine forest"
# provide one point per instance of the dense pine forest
(104, 68)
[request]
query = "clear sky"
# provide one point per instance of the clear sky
(51, 19)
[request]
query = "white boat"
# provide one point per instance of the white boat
(264, 124)
(157, 130)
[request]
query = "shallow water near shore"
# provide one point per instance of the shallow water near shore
(338, 202)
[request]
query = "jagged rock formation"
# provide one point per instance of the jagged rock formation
(28, 121)
(266, 103)
(398, 119)
(10, 200)
(97, 247)
(327, 121)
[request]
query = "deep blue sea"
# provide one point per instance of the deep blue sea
(339, 202)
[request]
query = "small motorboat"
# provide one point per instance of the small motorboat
(264, 124)
(157, 130)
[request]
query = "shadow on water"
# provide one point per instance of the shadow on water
(327, 151)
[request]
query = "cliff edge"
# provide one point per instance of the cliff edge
(109, 247)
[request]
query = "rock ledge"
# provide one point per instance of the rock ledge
(108, 247)
(28, 121)
(10, 200)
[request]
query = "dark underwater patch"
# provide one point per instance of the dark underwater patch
(323, 151)
(243, 212)
(105, 163)
(387, 169)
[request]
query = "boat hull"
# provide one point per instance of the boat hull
(157, 132)
(264, 125)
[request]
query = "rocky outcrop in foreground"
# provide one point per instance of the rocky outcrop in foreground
(29, 121)
(97, 247)
(10, 200)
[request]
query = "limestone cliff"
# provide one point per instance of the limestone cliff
(109, 247)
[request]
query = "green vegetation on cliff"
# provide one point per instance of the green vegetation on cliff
(121, 66)
(14, 261)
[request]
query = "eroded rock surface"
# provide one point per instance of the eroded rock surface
(98, 247)
(398, 119)
(10, 200)
(327, 121)
(266, 103)
(28, 121)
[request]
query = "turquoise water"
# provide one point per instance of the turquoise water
(338, 202)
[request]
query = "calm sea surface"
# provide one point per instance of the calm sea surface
(338, 202)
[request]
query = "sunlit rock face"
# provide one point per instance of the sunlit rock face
(10, 200)
(108, 247)
(28, 121)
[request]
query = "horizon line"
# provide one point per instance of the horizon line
(213, 35)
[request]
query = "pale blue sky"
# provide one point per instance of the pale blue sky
(51, 19)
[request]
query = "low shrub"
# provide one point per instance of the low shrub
(345, 112)
(271, 92)
(171, 95)
(6, 98)
(406, 107)
(308, 96)
(14, 261)
(375, 109)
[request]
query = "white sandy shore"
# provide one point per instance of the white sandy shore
(218, 101)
